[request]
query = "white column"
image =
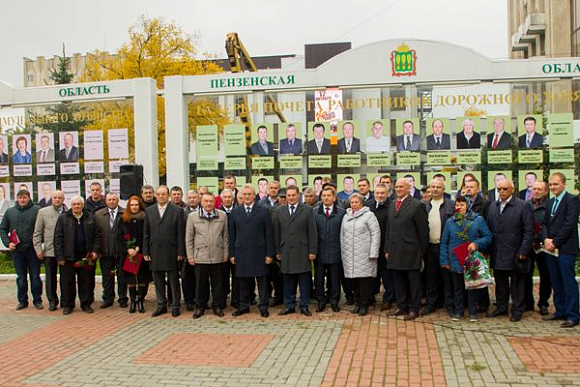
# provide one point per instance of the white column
(176, 133)
(145, 113)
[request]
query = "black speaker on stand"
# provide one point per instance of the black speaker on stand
(131, 180)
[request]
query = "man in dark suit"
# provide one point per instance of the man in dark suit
(414, 192)
(408, 141)
(468, 138)
(348, 143)
(379, 206)
(405, 245)
(290, 145)
(262, 147)
(438, 287)
(69, 153)
(493, 194)
(46, 195)
(438, 140)
(527, 194)
(295, 242)
(318, 145)
(560, 232)
(511, 222)
(531, 139)
(45, 154)
(164, 246)
(251, 250)
(108, 221)
(228, 204)
(499, 139)
(364, 188)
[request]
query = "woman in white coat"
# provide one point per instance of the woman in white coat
(360, 239)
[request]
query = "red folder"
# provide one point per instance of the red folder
(14, 237)
(133, 267)
(461, 252)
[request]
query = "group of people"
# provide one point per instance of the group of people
(236, 243)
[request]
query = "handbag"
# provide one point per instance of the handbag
(134, 265)
(476, 274)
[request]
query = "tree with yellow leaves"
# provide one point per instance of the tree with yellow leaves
(155, 49)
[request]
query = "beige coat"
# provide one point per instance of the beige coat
(43, 236)
(207, 241)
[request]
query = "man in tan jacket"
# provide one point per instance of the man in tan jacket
(207, 247)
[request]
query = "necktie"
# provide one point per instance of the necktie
(67, 153)
(438, 143)
(291, 143)
(348, 146)
(495, 141)
(319, 146)
(112, 219)
(408, 144)
(528, 142)
(43, 158)
(399, 204)
(554, 207)
(291, 210)
(528, 195)
(502, 207)
(248, 210)
(327, 212)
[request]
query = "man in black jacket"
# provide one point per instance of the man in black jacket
(77, 245)
(20, 219)
(379, 206)
(96, 201)
(439, 209)
(511, 222)
(560, 232)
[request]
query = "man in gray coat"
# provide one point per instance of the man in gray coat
(164, 246)
(43, 239)
(295, 242)
(207, 246)
(406, 244)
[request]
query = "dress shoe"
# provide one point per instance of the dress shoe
(569, 324)
(21, 306)
(175, 312)
(515, 318)
(123, 304)
(264, 313)
(411, 316)
(335, 307)
(198, 313)
(107, 304)
(427, 311)
(66, 311)
(544, 310)
(305, 311)
(38, 305)
(496, 313)
(286, 311)
(240, 312)
(52, 306)
(552, 317)
(320, 307)
(350, 301)
(363, 311)
(398, 312)
(190, 307)
(276, 302)
(355, 310)
(386, 306)
(235, 305)
(218, 312)
(159, 311)
(88, 309)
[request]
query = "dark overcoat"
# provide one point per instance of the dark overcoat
(164, 238)
(328, 229)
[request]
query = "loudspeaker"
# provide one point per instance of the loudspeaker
(131, 180)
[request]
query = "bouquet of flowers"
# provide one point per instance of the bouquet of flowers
(87, 263)
(476, 273)
(134, 259)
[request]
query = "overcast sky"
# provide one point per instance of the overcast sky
(34, 28)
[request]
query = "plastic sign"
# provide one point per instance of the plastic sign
(403, 61)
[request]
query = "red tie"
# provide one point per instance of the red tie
(399, 204)
(495, 141)
(327, 212)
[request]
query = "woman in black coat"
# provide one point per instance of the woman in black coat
(131, 239)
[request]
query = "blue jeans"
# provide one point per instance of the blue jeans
(26, 263)
(562, 276)
(290, 282)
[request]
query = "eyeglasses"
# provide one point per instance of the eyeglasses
(503, 189)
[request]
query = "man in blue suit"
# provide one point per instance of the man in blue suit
(408, 141)
(348, 143)
(262, 147)
(438, 140)
(560, 232)
(290, 145)
(531, 139)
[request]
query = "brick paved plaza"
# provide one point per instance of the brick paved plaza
(114, 348)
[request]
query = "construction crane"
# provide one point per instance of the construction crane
(241, 61)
